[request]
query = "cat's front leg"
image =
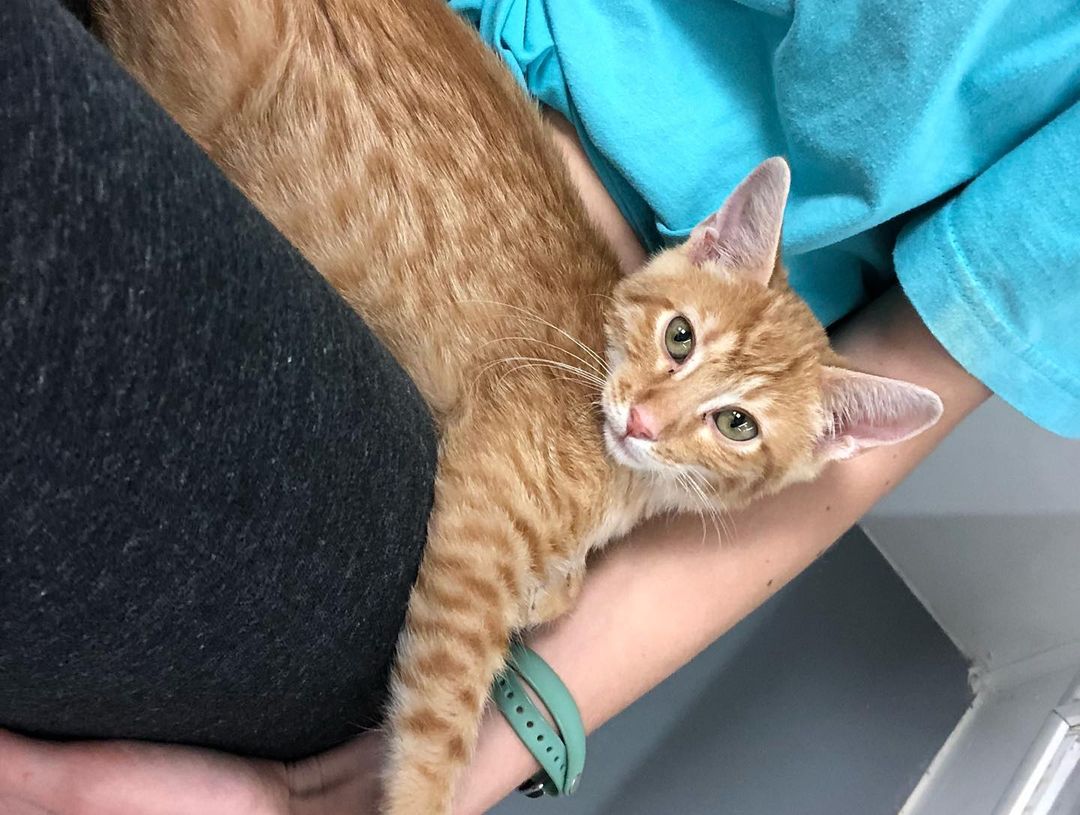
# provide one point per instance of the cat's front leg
(468, 599)
(557, 596)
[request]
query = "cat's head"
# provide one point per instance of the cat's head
(721, 373)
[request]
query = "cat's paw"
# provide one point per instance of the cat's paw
(414, 792)
(556, 598)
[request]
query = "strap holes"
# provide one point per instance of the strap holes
(528, 724)
(549, 749)
(519, 709)
(510, 695)
(540, 737)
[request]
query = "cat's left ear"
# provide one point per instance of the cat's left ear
(863, 411)
(744, 234)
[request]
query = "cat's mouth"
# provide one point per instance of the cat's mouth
(626, 450)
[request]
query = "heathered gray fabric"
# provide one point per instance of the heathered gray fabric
(214, 481)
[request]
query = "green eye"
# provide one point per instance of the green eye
(679, 339)
(736, 424)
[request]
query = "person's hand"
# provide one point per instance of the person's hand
(137, 778)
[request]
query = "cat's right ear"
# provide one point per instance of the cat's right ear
(743, 236)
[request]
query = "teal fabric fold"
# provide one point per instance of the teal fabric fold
(995, 275)
(885, 110)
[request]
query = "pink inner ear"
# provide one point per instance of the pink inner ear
(744, 234)
(865, 411)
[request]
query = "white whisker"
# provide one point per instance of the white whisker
(539, 319)
(586, 362)
(718, 522)
(586, 376)
(685, 481)
(540, 362)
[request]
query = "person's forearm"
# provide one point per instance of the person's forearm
(603, 210)
(654, 601)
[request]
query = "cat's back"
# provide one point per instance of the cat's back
(393, 149)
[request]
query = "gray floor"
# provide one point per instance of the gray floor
(830, 700)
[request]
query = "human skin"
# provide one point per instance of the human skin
(650, 604)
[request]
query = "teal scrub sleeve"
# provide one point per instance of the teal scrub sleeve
(995, 274)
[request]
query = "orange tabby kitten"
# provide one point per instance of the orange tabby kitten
(399, 156)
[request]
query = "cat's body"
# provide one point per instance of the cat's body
(398, 155)
(375, 199)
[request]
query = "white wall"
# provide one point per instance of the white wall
(973, 770)
(987, 534)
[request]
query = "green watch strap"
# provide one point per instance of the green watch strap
(561, 754)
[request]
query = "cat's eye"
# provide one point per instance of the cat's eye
(679, 338)
(736, 424)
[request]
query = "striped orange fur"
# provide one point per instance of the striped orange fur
(401, 159)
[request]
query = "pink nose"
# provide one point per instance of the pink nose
(641, 424)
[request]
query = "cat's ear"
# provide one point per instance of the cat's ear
(864, 411)
(744, 234)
